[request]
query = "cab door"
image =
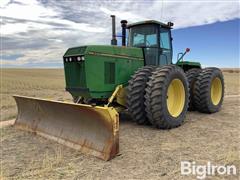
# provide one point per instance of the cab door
(165, 55)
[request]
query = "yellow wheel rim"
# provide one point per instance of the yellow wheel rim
(175, 97)
(216, 91)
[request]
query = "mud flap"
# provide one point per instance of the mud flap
(93, 130)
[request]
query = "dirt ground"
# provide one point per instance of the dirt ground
(45, 83)
(145, 153)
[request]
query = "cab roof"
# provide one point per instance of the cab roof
(148, 22)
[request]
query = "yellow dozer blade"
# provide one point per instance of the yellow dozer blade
(93, 130)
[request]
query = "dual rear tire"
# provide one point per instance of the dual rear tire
(206, 89)
(192, 75)
(209, 90)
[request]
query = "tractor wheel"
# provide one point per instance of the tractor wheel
(135, 94)
(209, 90)
(192, 77)
(167, 97)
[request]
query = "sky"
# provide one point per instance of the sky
(36, 33)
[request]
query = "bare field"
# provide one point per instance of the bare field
(231, 70)
(145, 153)
(44, 83)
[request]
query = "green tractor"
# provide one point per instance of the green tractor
(139, 78)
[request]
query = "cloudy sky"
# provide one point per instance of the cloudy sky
(36, 33)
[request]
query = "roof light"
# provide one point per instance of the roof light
(83, 58)
(170, 24)
(78, 58)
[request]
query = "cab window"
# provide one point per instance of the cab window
(164, 39)
(143, 36)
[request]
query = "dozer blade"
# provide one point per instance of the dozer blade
(92, 130)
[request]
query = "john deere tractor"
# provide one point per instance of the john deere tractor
(139, 77)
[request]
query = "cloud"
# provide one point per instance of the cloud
(39, 17)
(123, 15)
(183, 13)
(3, 3)
(42, 30)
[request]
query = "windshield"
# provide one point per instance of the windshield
(143, 36)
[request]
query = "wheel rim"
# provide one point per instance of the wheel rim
(175, 97)
(216, 91)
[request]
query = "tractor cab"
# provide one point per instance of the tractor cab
(154, 38)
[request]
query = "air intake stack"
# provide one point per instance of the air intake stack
(114, 40)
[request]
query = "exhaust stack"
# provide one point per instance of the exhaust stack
(124, 26)
(114, 40)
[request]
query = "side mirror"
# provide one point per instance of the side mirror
(187, 50)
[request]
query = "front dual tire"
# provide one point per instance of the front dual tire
(167, 97)
(163, 98)
(135, 94)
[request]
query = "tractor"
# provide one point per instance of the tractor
(137, 77)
